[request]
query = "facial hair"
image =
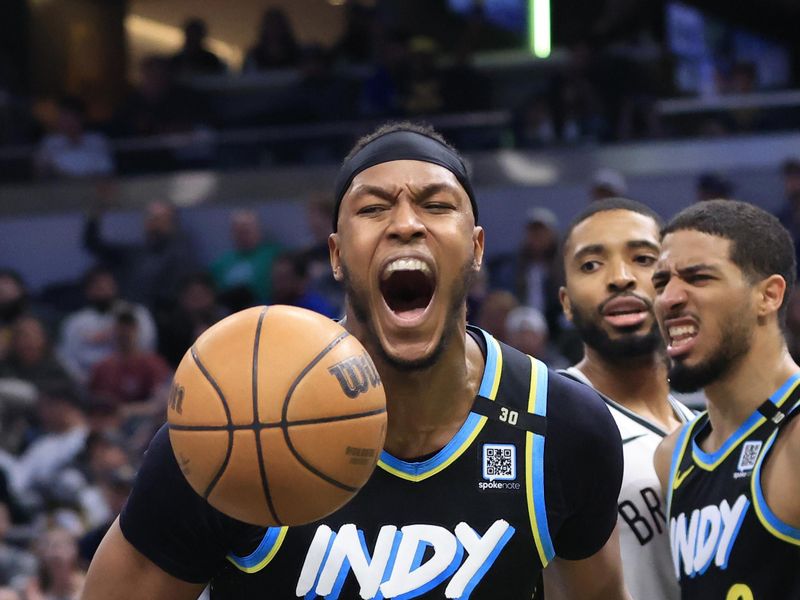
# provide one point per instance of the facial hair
(357, 297)
(628, 345)
(735, 342)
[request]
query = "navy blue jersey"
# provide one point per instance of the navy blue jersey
(726, 542)
(534, 472)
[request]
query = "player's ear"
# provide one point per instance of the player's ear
(566, 305)
(336, 260)
(769, 295)
(477, 247)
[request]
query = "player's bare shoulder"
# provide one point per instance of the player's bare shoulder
(662, 458)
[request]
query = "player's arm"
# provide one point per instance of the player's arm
(598, 577)
(120, 572)
(662, 459)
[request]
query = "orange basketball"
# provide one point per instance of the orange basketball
(277, 416)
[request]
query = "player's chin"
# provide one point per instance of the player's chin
(411, 357)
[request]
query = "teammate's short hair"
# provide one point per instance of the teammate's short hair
(608, 204)
(760, 245)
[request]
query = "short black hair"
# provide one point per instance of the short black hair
(608, 204)
(420, 128)
(760, 245)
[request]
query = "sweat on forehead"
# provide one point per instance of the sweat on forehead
(401, 145)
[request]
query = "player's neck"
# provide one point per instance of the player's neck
(638, 384)
(427, 408)
(746, 385)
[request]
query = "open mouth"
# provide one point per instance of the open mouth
(681, 338)
(407, 286)
(625, 311)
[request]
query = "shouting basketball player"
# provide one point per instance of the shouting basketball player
(722, 281)
(494, 467)
(610, 252)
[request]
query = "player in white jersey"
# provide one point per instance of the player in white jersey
(609, 255)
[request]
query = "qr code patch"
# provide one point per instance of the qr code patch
(749, 455)
(499, 461)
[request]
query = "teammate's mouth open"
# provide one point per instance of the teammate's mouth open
(407, 286)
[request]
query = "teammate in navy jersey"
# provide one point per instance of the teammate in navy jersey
(732, 476)
(494, 467)
(610, 251)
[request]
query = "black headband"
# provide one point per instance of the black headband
(401, 145)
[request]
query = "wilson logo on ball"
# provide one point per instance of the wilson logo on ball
(176, 398)
(356, 375)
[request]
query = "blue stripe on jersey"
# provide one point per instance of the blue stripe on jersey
(709, 461)
(537, 403)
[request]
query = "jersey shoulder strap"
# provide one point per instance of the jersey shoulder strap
(519, 397)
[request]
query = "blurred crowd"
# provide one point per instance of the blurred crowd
(85, 369)
(604, 88)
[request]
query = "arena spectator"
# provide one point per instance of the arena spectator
(196, 310)
(9, 593)
(31, 357)
(15, 563)
(131, 376)
(357, 44)
(607, 183)
(13, 303)
(36, 474)
(158, 105)
(276, 46)
(494, 311)
(87, 336)
(148, 271)
(381, 88)
(115, 486)
(423, 87)
(317, 254)
(713, 186)
(290, 285)
(533, 273)
(71, 151)
(195, 58)
(61, 576)
(527, 331)
(789, 212)
(243, 275)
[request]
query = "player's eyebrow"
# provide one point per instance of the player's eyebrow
(694, 269)
(588, 250)
(683, 272)
(646, 244)
(390, 194)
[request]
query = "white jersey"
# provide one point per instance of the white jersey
(643, 536)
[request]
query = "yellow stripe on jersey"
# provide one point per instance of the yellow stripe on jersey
(255, 562)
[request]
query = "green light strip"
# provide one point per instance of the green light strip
(539, 27)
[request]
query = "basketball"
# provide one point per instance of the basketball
(277, 416)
